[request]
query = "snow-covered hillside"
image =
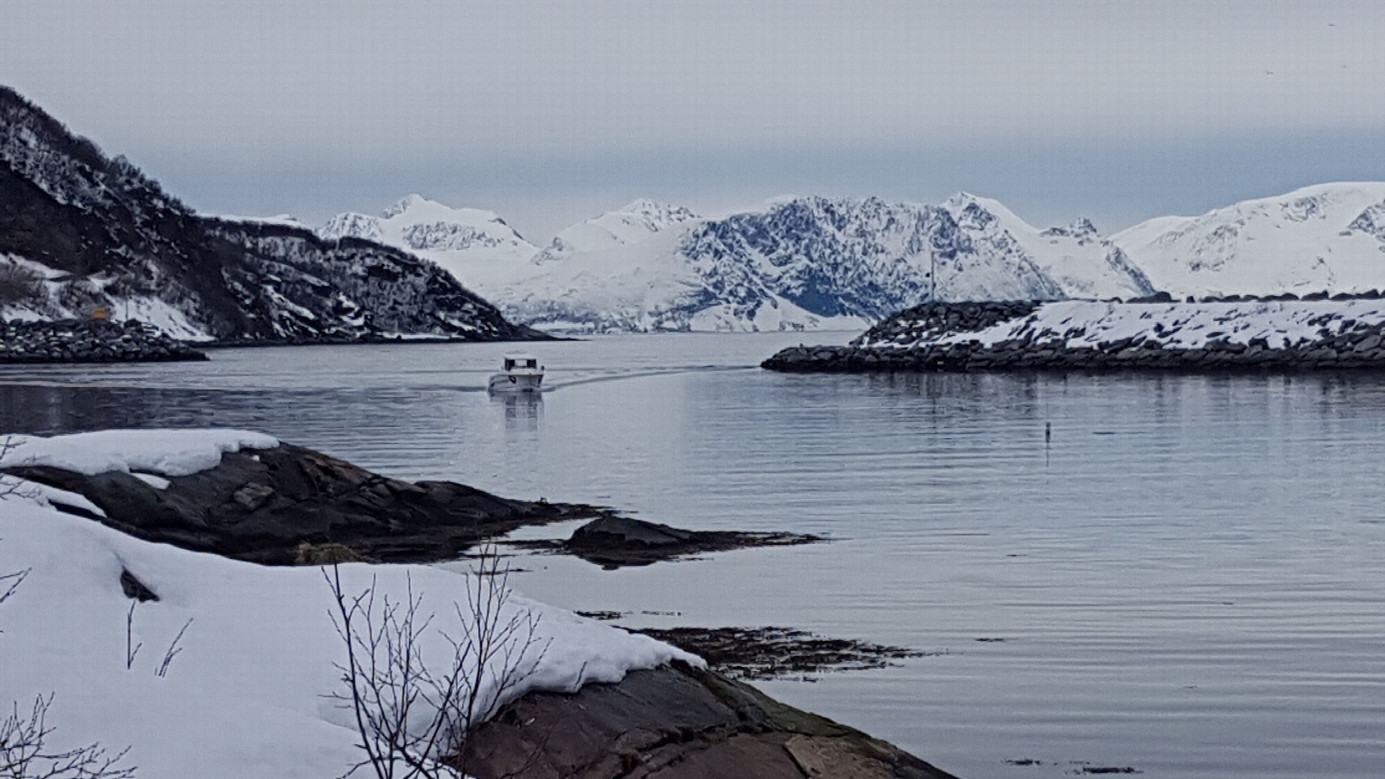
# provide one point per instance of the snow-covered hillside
(475, 246)
(1076, 257)
(631, 223)
(244, 694)
(1325, 237)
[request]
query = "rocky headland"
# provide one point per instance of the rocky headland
(93, 340)
(1282, 333)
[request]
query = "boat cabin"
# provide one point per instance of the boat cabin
(521, 362)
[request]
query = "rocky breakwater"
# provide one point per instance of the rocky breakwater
(95, 340)
(1224, 335)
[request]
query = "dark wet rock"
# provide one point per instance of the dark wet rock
(614, 541)
(776, 652)
(135, 589)
(676, 723)
(94, 340)
(263, 505)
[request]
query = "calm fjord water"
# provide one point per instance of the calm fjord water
(1188, 579)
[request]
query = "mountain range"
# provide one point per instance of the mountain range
(80, 231)
(795, 263)
(815, 263)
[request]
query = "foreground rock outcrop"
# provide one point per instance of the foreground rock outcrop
(94, 340)
(1224, 335)
(676, 723)
(291, 505)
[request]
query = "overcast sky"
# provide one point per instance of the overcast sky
(551, 112)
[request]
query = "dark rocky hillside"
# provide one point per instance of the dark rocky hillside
(80, 230)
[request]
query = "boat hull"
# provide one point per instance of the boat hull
(515, 382)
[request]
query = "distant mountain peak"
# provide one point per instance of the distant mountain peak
(404, 204)
(651, 214)
(351, 225)
(1081, 228)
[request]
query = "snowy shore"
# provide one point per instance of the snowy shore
(1105, 335)
(212, 667)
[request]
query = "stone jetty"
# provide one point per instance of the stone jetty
(94, 340)
(1155, 334)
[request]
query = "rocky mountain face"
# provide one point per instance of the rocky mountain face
(80, 231)
(1328, 237)
(863, 258)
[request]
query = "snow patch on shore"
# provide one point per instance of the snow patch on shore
(166, 452)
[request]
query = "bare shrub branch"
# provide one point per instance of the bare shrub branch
(18, 283)
(131, 648)
(25, 752)
(13, 485)
(10, 582)
(412, 715)
(173, 650)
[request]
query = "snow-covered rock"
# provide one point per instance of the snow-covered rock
(1326, 237)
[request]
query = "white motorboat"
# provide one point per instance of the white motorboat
(520, 373)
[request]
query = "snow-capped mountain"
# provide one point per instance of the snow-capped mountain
(632, 223)
(1076, 257)
(475, 246)
(804, 263)
(81, 232)
(1325, 237)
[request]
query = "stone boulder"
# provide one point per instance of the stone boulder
(676, 723)
(614, 541)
